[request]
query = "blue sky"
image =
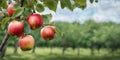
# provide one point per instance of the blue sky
(104, 10)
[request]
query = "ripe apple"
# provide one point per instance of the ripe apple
(48, 32)
(35, 21)
(26, 42)
(10, 9)
(16, 28)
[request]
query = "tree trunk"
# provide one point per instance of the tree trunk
(98, 48)
(15, 47)
(73, 48)
(78, 50)
(33, 50)
(3, 45)
(92, 48)
(64, 48)
(51, 48)
(2, 54)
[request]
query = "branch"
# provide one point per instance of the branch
(0, 23)
(4, 41)
(22, 2)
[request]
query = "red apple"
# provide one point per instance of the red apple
(26, 42)
(16, 28)
(10, 9)
(48, 32)
(35, 21)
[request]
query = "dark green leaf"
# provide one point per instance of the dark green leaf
(29, 4)
(51, 4)
(66, 3)
(40, 8)
(80, 3)
(18, 12)
(91, 1)
(4, 21)
(96, 1)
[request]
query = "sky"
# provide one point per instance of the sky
(103, 11)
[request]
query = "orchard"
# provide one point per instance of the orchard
(19, 17)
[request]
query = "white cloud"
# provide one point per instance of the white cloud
(107, 10)
(104, 10)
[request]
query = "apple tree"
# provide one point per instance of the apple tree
(17, 15)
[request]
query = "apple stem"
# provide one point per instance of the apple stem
(4, 41)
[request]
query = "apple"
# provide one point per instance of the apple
(26, 42)
(47, 32)
(16, 28)
(35, 21)
(10, 9)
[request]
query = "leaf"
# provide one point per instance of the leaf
(47, 17)
(40, 8)
(57, 30)
(91, 1)
(16, 6)
(53, 23)
(4, 21)
(96, 1)
(66, 3)
(80, 3)
(18, 12)
(51, 4)
(3, 4)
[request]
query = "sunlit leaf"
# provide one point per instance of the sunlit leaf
(57, 30)
(47, 17)
(18, 12)
(4, 21)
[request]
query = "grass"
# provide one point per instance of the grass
(44, 54)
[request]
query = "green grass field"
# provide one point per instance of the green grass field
(44, 54)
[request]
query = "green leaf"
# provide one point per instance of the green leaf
(4, 21)
(66, 3)
(80, 3)
(3, 4)
(40, 8)
(51, 4)
(16, 6)
(18, 12)
(53, 23)
(47, 17)
(96, 1)
(57, 30)
(91, 1)
(29, 4)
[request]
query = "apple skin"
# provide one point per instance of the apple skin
(16, 28)
(48, 32)
(26, 42)
(35, 21)
(10, 9)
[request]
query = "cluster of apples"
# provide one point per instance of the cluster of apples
(35, 21)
